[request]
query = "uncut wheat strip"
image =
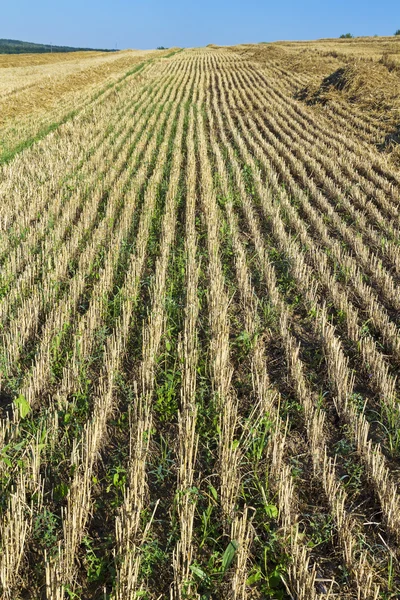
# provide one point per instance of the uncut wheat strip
(385, 383)
(128, 530)
(290, 168)
(334, 171)
(45, 163)
(366, 295)
(21, 76)
(21, 328)
(20, 167)
(62, 213)
(277, 301)
(33, 124)
(69, 97)
(61, 570)
(187, 415)
(346, 135)
(69, 100)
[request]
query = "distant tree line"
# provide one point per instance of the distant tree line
(18, 47)
(350, 35)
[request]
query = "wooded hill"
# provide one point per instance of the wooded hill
(18, 47)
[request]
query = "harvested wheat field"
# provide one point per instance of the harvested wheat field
(200, 326)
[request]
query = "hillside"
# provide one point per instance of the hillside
(200, 324)
(18, 47)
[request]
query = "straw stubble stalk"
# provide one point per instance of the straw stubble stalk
(129, 536)
(79, 496)
(292, 356)
(187, 417)
(289, 235)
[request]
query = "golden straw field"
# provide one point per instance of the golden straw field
(200, 323)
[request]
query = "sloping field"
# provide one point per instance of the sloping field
(199, 304)
(40, 91)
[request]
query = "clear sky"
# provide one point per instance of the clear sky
(152, 23)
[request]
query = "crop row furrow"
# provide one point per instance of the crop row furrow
(292, 354)
(61, 571)
(130, 533)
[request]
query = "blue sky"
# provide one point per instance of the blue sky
(151, 23)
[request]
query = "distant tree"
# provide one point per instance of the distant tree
(161, 48)
(346, 36)
(397, 32)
